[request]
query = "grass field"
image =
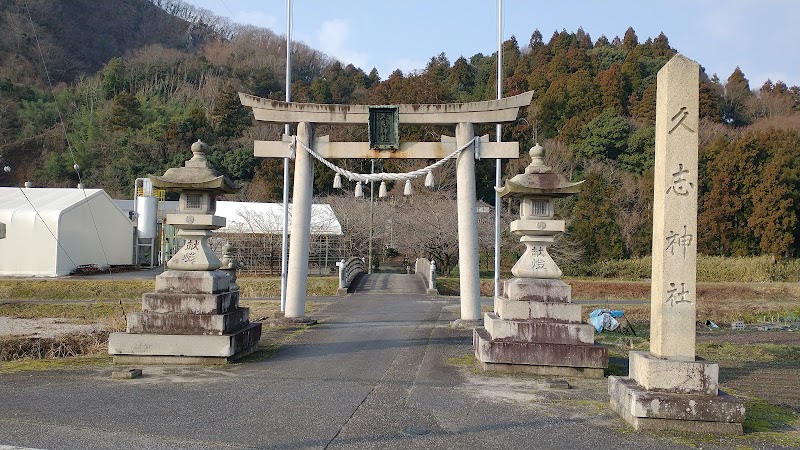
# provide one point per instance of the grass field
(722, 303)
(131, 290)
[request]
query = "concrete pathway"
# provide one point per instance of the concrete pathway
(379, 371)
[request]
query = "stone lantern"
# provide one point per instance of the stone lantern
(535, 327)
(199, 186)
(194, 315)
(537, 189)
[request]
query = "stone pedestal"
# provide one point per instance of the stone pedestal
(664, 394)
(193, 317)
(536, 329)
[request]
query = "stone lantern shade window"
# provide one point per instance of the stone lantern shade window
(194, 201)
(539, 208)
(197, 202)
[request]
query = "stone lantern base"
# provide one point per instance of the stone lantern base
(536, 329)
(663, 394)
(192, 317)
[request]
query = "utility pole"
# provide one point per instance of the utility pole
(285, 237)
(371, 213)
(498, 162)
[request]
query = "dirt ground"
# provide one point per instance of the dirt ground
(48, 327)
(766, 364)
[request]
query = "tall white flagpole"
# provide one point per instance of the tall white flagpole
(498, 162)
(285, 237)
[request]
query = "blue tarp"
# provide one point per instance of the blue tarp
(605, 319)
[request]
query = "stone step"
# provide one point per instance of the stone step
(190, 303)
(184, 323)
(224, 346)
(534, 310)
(537, 353)
(538, 331)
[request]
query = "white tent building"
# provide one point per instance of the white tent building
(267, 218)
(50, 232)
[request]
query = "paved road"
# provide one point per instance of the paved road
(376, 373)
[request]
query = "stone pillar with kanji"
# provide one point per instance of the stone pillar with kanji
(668, 388)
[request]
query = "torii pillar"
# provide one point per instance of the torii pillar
(462, 115)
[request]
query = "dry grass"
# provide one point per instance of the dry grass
(23, 348)
(722, 303)
(271, 287)
(755, 269)
(74, 289)
(69, 345)
(86, 312)
(131, 290)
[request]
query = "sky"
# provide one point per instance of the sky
(760, 37)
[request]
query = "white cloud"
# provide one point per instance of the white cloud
(332, 39)
(257, 18)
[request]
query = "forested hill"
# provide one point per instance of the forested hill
(137, 81)
(78, 37)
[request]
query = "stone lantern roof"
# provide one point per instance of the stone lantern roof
(196, 175)
(539, 179)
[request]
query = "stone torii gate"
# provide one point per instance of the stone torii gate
(462, 115)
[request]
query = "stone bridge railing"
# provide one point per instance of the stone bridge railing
(349, 269)
(427, 270)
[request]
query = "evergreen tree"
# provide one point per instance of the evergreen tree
(612, 87)
(125, 112)
(735, 100)
(630, 40)
(594, 220)
(729, 173)
(373, 78)
(639, 155)
(776, 199)
(604, 137)
(229, 116)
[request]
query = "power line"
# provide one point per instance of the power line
(75, 165)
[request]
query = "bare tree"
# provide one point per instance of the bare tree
(353, 214)
(428, 227)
